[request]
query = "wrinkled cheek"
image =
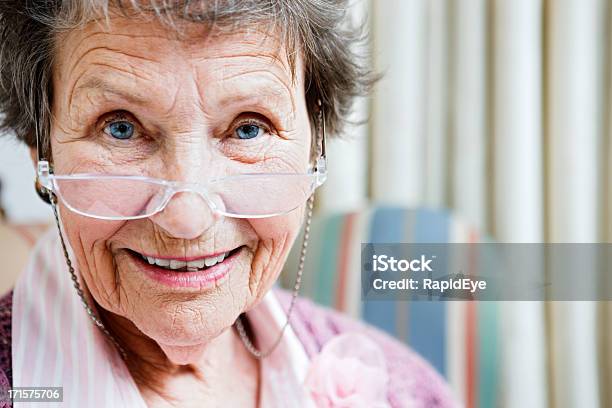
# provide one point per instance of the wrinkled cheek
(88, 238)
(276, 235)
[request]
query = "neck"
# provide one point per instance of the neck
(179, 373)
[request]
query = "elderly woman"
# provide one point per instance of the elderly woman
(179, 145)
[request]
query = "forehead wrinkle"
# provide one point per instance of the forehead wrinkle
(97, 83)
(255, 42)
(111, 50)
(62, 60)
(103, 49)
(89, 34)
(234, 65)
(275, 60)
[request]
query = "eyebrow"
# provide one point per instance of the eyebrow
(275, 89)
(95, 83)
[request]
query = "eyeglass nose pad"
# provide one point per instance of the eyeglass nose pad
(214, 201)
(211, 196)
(193, 189)
(184, 216)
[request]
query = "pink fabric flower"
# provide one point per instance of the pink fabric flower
(350, 372)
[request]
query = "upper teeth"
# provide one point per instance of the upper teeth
(176, 264)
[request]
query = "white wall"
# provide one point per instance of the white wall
(17, 174)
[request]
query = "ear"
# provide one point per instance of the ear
(37, 187)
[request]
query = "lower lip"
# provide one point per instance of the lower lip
(204, 279)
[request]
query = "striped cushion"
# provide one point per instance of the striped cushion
(460, 339)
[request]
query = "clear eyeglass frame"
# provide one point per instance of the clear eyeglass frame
(124, 197)
(128, 197)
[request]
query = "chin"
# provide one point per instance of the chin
(189, 323)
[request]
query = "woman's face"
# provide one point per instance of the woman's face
(135, 99)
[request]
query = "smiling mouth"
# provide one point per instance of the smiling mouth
(176, 265)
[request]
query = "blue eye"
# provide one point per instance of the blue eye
(248, 131)
(120, 129)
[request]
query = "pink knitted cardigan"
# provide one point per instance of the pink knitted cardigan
(413, 382)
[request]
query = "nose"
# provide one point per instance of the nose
(187, 216)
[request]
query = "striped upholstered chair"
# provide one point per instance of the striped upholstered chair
(460, 339)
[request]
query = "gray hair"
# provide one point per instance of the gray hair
(331, 46)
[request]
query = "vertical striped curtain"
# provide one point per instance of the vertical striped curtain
(575, 94)
(500, 111)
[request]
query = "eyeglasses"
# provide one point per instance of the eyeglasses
(111, 197)
(129, 197)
